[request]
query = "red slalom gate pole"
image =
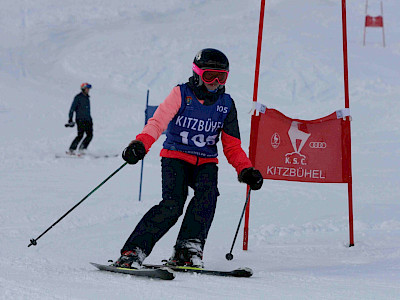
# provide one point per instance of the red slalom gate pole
(258, 57)
(255, 93)
(347, 124)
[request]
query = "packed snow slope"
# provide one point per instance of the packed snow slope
(298, 244)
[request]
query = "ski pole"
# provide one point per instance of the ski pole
(229, 256)
(34, 241)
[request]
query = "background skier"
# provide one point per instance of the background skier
(81, 107)
(197, 114)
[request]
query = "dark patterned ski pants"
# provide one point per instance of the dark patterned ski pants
(177, 177)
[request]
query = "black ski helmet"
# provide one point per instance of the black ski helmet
(209, 58)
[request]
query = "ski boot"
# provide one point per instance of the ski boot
(70, 152)
(130, 259)
(187, 253)
(82, 151)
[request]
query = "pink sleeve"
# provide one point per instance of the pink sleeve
(163, 114)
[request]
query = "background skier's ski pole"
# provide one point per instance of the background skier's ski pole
(34, 241)
(229, 256)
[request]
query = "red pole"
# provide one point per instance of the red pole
(255, 92)
(345, 60)
(383, 28)
(365, 25)
(259, 44)
(347, 123)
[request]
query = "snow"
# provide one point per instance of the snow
(298, 243)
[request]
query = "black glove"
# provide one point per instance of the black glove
(252, 177)
(70, 124)
(134, 152)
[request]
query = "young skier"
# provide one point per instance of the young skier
(197, 114)
(81, 107)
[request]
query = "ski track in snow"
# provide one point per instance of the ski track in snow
(298, 242)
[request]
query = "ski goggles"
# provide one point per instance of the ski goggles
(210, 75)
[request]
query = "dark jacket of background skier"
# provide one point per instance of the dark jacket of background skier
(81, 107)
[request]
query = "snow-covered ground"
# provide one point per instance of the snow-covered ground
(298, 244)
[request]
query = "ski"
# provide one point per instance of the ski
(106, 155)
(65, 155)
(240, 272)
(94, 155)
(89, 155)
(160, 273)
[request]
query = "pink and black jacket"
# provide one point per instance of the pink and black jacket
(195, 126)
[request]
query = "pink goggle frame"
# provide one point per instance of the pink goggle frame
(210, 75)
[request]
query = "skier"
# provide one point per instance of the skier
(196, 113)
(81, 107)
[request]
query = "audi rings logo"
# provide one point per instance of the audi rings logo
(275, 140)
(317, 145)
